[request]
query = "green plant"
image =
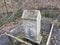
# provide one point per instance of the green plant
(50, 13)
(16, 16)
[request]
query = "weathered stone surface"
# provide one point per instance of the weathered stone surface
(32, 24)
(45, 28)
(3, 40)
(17, 30)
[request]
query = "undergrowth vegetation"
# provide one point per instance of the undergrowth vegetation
(49, 13)
(10, 18)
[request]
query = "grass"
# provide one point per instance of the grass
(4, 19)
(16, 16)
(45, 13)
(50, 13)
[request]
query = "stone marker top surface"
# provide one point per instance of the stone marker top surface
(30, 14)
